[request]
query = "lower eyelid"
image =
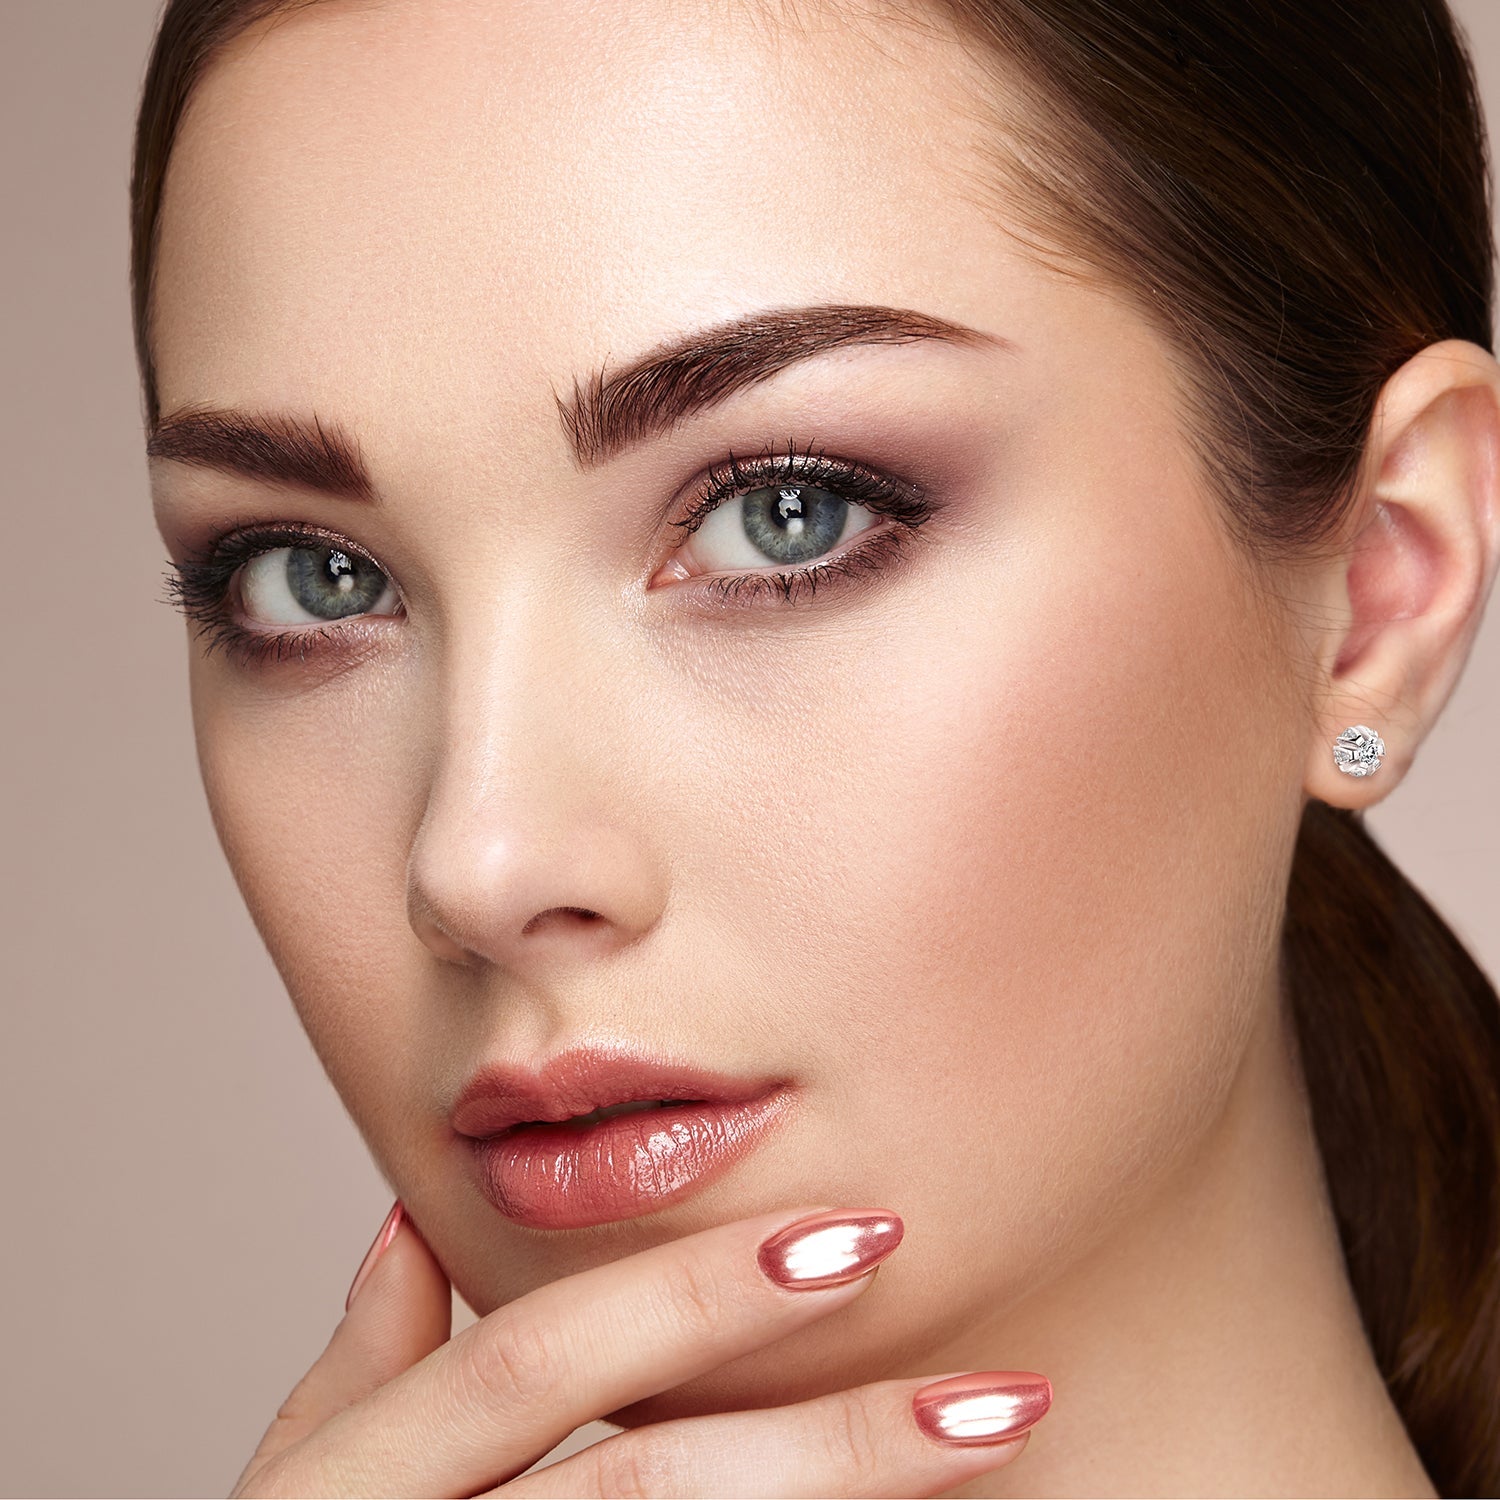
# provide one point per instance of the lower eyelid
(341, 644)
(855, 568)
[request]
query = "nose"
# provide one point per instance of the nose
(533, 848)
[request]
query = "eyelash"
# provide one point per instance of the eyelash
(199, 586)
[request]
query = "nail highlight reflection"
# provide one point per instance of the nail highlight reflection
(988, 1406)
(830, 1248)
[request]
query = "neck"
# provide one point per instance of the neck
(1213, 1346)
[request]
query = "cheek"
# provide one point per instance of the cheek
(1082, 787)
(307, 795)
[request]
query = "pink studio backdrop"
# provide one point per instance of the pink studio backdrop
(186, 1198)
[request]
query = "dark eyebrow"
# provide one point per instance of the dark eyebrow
(282, 449)
(688, 374)
(613, 410)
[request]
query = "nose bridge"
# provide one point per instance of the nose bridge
(529, 845)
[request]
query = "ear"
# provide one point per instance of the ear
(1405, 593)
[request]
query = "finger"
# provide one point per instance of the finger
(500, 1395)
(402, 1311)
(866, 1441)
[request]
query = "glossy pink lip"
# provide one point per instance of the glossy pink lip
(562, 1175)
(589, 1078)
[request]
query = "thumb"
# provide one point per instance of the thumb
(400, 1309)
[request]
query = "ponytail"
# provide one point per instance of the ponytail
(1399, 1031)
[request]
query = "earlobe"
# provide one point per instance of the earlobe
(1407, 593)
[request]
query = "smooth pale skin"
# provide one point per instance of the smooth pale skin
(986, 855)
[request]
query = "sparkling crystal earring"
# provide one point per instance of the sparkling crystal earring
(1357, 751)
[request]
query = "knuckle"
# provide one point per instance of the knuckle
(306, 1468)
(297, 1409)
(854, 1447)
(633, 1467)
(519, 1362)
(699, 1295)
(271, 1479)
(283, 1480)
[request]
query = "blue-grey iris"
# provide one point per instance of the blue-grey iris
(331, 584)
(793, 523)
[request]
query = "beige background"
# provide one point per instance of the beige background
(186, 1200)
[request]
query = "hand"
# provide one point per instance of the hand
(395, 1406)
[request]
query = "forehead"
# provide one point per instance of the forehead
(364, 190)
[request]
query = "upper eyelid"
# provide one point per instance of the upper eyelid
(272, 535)
(811, 466)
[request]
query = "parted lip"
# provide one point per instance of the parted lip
(587, 1078)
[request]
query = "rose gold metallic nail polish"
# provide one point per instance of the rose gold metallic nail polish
(382, 1239)
(987, 1406)
(830, 1248)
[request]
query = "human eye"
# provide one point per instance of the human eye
(792, 507)
(256, 591)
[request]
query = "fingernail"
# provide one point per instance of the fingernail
(830, 1248)
(386, 1235)
(985, 1407)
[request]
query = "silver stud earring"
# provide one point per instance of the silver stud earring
(1357, 751)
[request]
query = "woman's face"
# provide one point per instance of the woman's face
(981, 846)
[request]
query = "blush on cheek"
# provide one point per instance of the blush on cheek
(1075, 868)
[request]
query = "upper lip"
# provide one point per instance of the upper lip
(584, 1079)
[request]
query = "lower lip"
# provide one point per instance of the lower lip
(570, 1176)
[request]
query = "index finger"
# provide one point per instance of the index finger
(491, 1401)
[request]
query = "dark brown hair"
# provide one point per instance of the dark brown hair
(1297, 193)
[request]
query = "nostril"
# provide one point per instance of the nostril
(581, 912)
